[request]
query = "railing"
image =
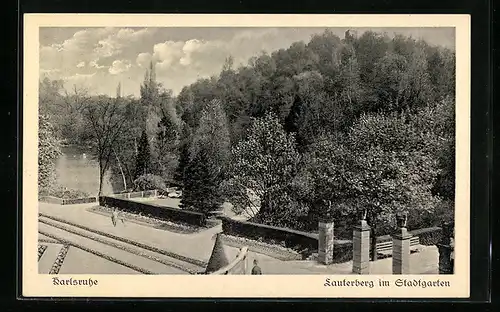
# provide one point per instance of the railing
(86, 200)
(387, 246)
(237, 266)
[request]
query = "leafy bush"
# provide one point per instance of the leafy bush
(65, 193)
(148, 182)
(48, 151)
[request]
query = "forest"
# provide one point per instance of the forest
(330, 128)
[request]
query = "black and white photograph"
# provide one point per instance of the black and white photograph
(324, 151)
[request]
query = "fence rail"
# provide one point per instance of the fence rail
(237, 266)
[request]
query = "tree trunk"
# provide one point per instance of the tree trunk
(372, 217)
(121, 171)
(373, 243)
(101, 178)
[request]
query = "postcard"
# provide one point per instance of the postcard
(233, 156)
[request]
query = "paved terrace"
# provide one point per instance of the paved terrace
(199, 245)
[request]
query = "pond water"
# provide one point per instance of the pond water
(76, 169)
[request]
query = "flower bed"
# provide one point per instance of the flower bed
(99, 254)
(41, 250)
(146, 220)
(59, 260)
(155, 211)
(131, 242)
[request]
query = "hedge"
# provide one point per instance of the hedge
(300, 241)
(154, 210)
(428, 236)
(288, 238)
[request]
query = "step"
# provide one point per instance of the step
(129, 246)
(49, 257)
(147, 265)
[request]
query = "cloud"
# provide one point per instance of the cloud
(167, 53)
(143, 60)
(119, 66)
(181, 55)
(95, 65)
(115, 42)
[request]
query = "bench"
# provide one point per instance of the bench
(386, 247)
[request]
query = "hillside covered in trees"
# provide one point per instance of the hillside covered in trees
(327, 128)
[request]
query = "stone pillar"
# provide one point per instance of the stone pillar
(361, 248)
(445, 249)
(325, 244)
(401, 248)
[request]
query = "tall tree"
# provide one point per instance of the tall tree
(167, 144)
(105, 120)
(262, 166)
(295, 116)
(143, 160)
(209, 153)
(184, 147)
(119, 90)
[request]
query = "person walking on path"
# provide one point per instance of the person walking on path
(256, 268)
(114, 217)
(120, 216)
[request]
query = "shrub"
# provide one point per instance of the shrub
(149, 182)
(66, 193)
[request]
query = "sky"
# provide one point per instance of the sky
(98, 59)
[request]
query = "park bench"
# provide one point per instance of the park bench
(386, 247)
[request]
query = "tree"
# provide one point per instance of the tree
(48, 152)
(143, 160)
(261, 169)
(201, 184)
(394, 170)
(125, 156)
(295, 116)
(208, 158)
(105, 121)
(184, 147)
(167, 143)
